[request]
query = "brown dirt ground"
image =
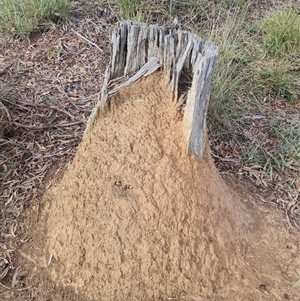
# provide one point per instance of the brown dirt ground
(134, 218)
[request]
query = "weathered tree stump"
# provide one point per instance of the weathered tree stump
(138, 50)
(134, 217)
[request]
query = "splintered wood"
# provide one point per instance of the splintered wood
(138, 50)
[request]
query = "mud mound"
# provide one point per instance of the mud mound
(135, 218)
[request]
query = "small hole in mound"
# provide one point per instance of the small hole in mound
(118, 183)
(263, 288)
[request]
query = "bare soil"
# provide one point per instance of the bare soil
(135, 218)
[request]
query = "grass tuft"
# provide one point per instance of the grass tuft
(275, 78)
(22, 17)
(232, 69)
(281, 32)
(161, 12)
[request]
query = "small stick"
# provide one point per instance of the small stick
(2, 71)
(87, 40)
(50, 259)
(235, 160)
(14, 278)
(32, 127)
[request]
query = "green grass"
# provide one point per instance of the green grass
(235, 54)
(258, 62)
(129, 9)
(275, 78)
(238, 3)
(22, 17)
(157, 11)
(281, 32)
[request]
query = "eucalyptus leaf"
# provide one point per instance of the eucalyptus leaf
(296, 283)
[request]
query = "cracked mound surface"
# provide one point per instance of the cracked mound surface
(135, 218)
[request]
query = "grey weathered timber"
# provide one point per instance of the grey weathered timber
(138, 50)
(194, 120)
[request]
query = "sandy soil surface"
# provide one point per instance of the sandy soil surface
(135, 218)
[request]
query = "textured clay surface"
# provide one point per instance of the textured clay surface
(135, 218)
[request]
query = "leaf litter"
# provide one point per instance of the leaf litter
(276, 187)
(49, 85)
